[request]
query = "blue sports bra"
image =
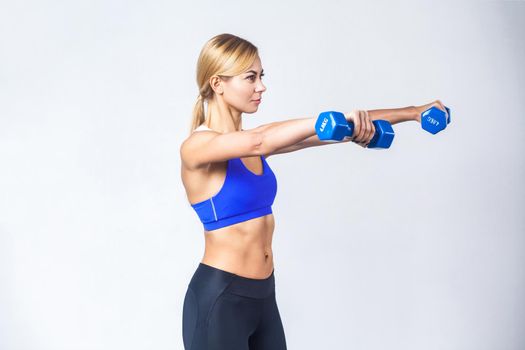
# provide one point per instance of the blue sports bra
(243, 196)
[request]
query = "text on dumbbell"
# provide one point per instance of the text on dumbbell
(323, 124)
(432, 121)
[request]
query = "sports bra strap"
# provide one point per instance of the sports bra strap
(201, 127)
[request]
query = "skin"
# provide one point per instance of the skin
(246, 247)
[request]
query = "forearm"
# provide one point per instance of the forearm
(282, 134)
(394, 115)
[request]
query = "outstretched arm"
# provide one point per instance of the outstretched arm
(394, 116)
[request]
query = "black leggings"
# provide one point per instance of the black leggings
(225, 311)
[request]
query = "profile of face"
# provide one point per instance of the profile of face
(244, 91)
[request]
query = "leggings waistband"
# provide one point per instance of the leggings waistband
(209, 276)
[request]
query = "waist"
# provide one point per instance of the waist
(245, 248)
(209, 277)
(242, 237)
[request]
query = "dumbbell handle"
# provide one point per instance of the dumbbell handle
(333, 126)
(381, 127)
(351, 127)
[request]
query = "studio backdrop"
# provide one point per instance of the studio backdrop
(420, 246)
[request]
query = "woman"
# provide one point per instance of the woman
(230, 301)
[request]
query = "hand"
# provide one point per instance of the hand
(364, 129)
(422, 108)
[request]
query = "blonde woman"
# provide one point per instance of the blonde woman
(230, 302)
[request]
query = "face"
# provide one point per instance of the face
(242, 91)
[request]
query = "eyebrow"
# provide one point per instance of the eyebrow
(252, 71)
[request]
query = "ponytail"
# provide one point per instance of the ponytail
(198, 114)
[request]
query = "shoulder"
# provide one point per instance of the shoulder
(197, 137)
(194, 142)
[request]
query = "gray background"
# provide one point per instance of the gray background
(417, 247)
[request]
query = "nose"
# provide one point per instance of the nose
(260, 87)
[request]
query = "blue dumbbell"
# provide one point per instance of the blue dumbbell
(333, 125)
(434, 119)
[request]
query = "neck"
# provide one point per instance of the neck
(221, 117)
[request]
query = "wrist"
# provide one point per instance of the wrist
(416, 114)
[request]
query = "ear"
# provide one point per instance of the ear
(216, 84)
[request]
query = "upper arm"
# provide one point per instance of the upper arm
(205, 147)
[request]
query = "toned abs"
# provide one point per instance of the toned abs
(244, 248)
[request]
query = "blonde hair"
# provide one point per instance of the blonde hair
(224, 55)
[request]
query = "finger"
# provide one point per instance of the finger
(351, 117)
(372, 128)
(443, 108)
(440, 105)
(366, 126)
(367, 136)
(362, 131)
(357, 126)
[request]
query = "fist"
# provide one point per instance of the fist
(363, 127)
(422, 108)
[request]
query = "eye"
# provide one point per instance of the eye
(251, 77)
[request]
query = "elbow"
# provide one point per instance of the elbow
(260, 144)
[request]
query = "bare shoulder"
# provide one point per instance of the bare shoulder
(192, 144)
(205, 147)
